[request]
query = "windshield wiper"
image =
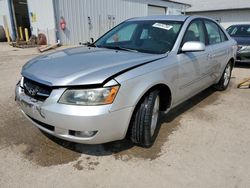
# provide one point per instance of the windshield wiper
(91, 45)
(118, 48)
(88, 44)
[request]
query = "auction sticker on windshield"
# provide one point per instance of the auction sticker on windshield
(163, 26)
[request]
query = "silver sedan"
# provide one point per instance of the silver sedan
(117, 86)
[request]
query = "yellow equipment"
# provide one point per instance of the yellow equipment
(244, 84)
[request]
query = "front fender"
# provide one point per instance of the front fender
(135, 83)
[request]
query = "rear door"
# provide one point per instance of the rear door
(219, 50)
(192, 64)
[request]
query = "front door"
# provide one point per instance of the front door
(192, 64)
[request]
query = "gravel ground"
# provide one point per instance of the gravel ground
(203, 143)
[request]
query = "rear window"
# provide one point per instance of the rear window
(239, 31)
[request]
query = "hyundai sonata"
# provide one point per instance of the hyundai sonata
(117, 86)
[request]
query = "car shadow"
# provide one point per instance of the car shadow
(123, 145)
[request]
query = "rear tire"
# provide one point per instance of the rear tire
(225, 78)
(144, 125)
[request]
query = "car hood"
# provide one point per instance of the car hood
(245, 41)
(82, 65)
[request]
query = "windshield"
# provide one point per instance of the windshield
(155, 37)
(239, 31)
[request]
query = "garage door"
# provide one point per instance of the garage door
(155, 10)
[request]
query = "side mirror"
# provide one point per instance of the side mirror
(193, 46)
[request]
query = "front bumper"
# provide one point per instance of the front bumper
(61, 120)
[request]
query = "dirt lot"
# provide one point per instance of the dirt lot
(203, 143)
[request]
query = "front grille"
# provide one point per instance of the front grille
(44, 125)
(36, 90)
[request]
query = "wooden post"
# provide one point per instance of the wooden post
(26, 34)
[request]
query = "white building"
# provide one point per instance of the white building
(227, 12)
(84, 19)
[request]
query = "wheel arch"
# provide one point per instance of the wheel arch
(165, 100)
(232, 60)
(165, 95)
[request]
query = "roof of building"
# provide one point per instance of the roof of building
(215, 5)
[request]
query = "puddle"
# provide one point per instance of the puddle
(16, 131)
(46, 150)
(170, 123)
(155, 151)
(125, 150)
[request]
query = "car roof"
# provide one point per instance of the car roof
(161, 17)
(237, 25)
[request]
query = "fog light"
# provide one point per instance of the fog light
(83, 134)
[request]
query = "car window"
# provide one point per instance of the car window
(239, 31)
(195, 32)
(144, 34)
(232, 30)
(123, 35)
(213, 31)
(149, 36)
(223, 36)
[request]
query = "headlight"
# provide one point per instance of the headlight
(89, 97)
(20, 82)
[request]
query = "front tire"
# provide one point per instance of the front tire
(144, 125)
(225, 78)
